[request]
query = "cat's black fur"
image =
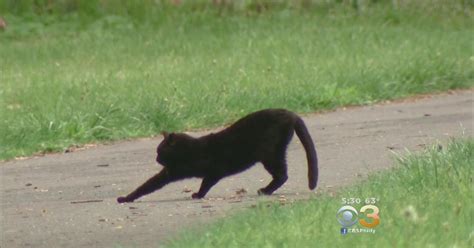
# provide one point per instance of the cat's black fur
(262, 136)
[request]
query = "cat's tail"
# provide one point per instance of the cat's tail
(303, 135)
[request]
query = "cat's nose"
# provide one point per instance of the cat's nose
(158, 158)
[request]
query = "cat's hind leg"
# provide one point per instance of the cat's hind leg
(278, 169)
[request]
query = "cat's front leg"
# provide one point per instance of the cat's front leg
(123, 199)
(154, 183)
(206, 185)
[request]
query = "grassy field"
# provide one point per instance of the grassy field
(69, 78)
(424, 202)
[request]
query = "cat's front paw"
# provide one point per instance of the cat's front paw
(196, 196)
(123, 199)
(263, 192)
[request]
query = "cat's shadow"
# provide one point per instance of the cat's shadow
(228, 199)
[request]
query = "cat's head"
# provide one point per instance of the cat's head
(174, 149)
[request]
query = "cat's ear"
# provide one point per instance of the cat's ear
(165, 134)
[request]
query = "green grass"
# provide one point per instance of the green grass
(426, 201)
(80, 77)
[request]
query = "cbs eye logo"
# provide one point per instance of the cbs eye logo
(347, 216)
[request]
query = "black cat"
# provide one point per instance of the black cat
(262, 136)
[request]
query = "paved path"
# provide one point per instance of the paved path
(41, 197)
